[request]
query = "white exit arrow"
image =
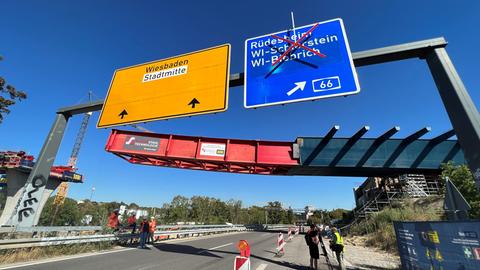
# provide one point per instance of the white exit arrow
(299, 85)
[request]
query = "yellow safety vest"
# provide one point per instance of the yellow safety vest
(339, 239)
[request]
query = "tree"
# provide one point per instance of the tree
(200, 208)
(179, 208)
(256, 215)
(234, 207)
(67, 215)
(99, 212)
(290, 216)
(463, 179)
(276, 214)
(8, 96)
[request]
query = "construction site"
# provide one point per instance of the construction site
(376, 193)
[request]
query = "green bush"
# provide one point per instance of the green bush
(379, 227)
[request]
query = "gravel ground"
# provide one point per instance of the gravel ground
(358, 257)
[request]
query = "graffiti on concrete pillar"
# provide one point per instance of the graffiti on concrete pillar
(33, 197)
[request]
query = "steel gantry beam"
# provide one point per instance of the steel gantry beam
(459, 105)
(335, 157)
(379, 141)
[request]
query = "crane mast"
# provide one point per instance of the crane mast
(72, 162)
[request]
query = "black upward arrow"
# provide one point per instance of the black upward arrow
(193, 102)
(123, 113)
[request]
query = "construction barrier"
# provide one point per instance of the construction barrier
(290, 234)
(242, 262)
(280, 244)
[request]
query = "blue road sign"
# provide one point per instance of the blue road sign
(306, 63)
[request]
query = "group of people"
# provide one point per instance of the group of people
(313, 238)
(146, 228)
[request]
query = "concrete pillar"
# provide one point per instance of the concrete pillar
(16, 180)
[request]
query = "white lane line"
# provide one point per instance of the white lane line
(213, 248)
(262, 266)
(266, 234)
(63, 258)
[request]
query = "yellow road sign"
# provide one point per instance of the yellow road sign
(184, 85)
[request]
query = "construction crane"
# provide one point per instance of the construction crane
(72, 162)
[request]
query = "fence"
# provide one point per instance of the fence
(164, 230)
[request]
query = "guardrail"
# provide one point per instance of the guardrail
(50, 229)
(278, 227)
(163, 230)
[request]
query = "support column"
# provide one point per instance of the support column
(16, 181)
(27, 207)
(461, 110)
(15, 184)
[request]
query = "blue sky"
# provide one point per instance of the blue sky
(58, 50)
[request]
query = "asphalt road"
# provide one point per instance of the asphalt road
(204, 253)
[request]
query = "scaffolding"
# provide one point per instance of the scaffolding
(377, 193)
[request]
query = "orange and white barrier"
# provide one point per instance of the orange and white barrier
(297, 230)
(280, 244)
(242, 262)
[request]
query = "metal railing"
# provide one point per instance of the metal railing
(278, 227)
(163, 230)
(50, 229)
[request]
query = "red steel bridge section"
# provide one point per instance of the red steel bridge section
(198, 153)
(327, 155)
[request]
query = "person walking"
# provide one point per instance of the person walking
(336, 245)
(151, 231)
(144, 229)
(312, 240)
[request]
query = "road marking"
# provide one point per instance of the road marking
(262, 266)
(64, 258)
(213, 248)
(78, 256)
(266, 234)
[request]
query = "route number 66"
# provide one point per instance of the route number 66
(325, 84)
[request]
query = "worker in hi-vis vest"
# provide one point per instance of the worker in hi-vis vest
(336, 245)
(151, 230)
(113, 222)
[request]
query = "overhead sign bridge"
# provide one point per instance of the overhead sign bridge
(306, 156)
(354, 156)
